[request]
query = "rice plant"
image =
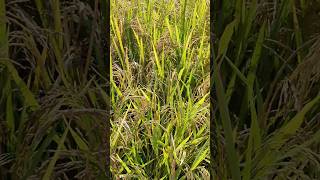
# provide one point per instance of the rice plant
(160, 89)
(53, 102)
(266, 84)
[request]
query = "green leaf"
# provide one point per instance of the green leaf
(27, 94)
(225, 39)
(49, 171)
(202, 154)
(80, 142)
(232, 156)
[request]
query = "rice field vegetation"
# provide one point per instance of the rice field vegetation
(266, 113)
(160, 84)
(53, 98)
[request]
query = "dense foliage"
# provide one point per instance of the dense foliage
(160, 89)
(266, 82)
(53, 99)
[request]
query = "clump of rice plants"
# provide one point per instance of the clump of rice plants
(53, 103)
(266, 79)
(160, 89)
